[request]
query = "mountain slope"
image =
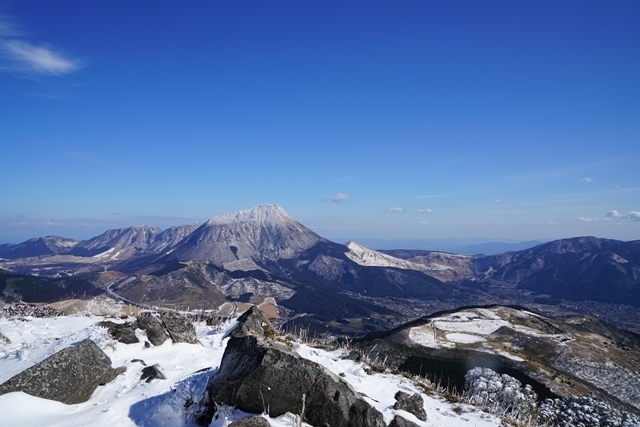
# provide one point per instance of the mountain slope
(569, 356)
(131, 241)
(368, 257)
(167, 239)
(610, 275)
(263, 233)
(20, 287)
(37, 247)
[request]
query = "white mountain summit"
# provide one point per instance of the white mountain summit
(262, 233)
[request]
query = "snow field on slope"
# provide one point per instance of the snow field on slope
(464, 327)
(129, 402)
(379, 389)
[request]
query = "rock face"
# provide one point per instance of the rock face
(158, 327)
(178, 327)
(398, 421)
(68, 376)
(152, 326)
(411, 403)
(122, 332)
(260, 375)
(152, 373)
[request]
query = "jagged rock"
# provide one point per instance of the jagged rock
(178, 327)
(68, 376)
(122, 332)
(252, 421)
(254, 322)
(152, 326)
(398, 421)
(258, 374)
(152, 373)
(411, 403)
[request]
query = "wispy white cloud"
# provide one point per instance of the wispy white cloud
(423, 223)
(497, 201)
(635, 215)
(550, 223)
(26, 57)
(613, 214)
(584, 219)
(587, 180)
(396, 209)
(20, 56)
(339, 197)
(426, 210)
(632, 215)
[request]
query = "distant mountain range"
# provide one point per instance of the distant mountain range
(38, 246)
(262, 252)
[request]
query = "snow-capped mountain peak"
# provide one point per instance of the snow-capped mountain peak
(262, 233)
(259, 214)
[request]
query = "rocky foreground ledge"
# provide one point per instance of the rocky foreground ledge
(261, 375)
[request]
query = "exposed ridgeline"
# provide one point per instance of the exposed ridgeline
(136, 239)
(578, 268)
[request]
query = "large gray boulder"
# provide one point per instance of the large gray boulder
(148, 322)
(178, 327)
(68, 376)
(122, 332)
(258, 374)
(411, 403)
(166, 324)
(398, 421)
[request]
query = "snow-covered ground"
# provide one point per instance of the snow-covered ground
(470, 327)
(128, 401)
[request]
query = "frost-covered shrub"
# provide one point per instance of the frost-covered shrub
(584, 412)
(502, 394)
(29, 310)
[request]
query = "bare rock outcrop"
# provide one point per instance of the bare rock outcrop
(122, 332)
(258, 374)
(178, 327)
(411, 403)
(68, 376)
(398, 421)
(153, 327)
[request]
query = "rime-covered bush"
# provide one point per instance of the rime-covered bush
(584, 412)
(502, 394)
(29, 310)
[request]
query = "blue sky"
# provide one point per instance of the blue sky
(392, 120)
